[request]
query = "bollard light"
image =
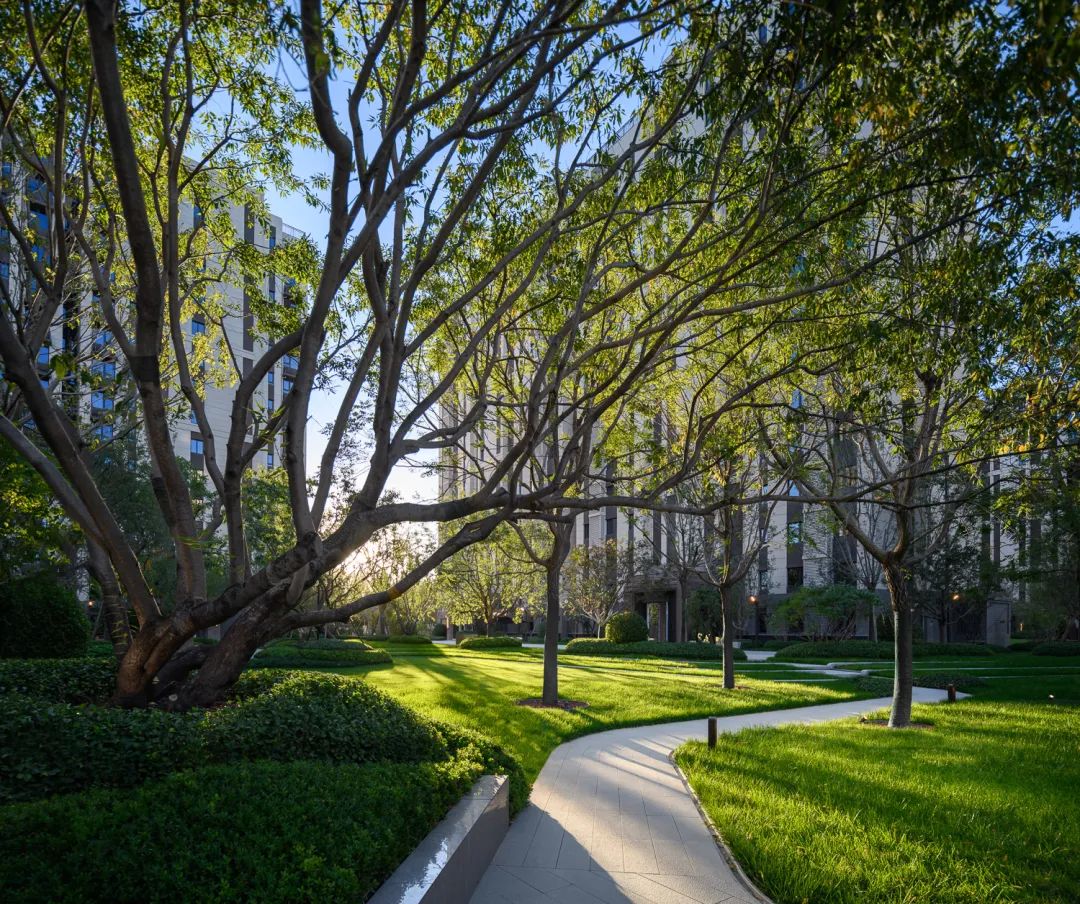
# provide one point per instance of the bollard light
(952, 692)
(712, 733)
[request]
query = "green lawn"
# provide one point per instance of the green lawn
(980, 808)
(480, 690)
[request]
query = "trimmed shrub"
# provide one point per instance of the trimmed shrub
(228, 833)
(59, 680)
(867, 649)
(586, 646)
(875, 684)
(409, 640)
(62, 748)
(299, 655)
(40, 619)
(1022, 646)
(490, 643)
(942, 680)
(1057, 648)
(438, 632)
(626, 627)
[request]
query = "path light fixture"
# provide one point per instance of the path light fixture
(956, 597)
(753, 600)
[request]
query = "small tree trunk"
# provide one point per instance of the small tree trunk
(560, 536)
(873, 623)
(903, 665)
(729, 639)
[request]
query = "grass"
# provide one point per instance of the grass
(480, 690)
(981, 808)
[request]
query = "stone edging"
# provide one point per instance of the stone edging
(736, 868)
(446, 866)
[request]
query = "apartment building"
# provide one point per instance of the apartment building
(226, 339)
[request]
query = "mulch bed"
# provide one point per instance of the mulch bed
(537, 703)
(884, 723)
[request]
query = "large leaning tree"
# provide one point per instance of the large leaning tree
(518, 198)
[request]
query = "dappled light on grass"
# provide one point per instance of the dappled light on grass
(980, 808)
(481, 691)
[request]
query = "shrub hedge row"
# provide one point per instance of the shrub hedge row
(587, 646)
(867, 649)
(88, 680)
(1057, 648)
(261, 831)
(402, 639)
(281, 656)
(283, 716)
(490, 643)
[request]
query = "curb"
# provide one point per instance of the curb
(736, 868)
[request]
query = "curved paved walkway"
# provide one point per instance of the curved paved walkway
(610, 820)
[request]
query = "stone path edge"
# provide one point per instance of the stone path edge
(729, 855)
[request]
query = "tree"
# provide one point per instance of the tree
(470, 150)
(827, 612)
(595, 580)
(489, 580)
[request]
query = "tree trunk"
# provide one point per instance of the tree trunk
(873, 623)
(903, 666)
(560, 538)
(729, 638)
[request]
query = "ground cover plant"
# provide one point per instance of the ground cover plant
(41, 619)
(978, 808)
(481, 692)
(587, 646)
(231, 833)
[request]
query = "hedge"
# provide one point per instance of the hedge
(868, 649)
(262, 831)
(490, 643)
(883, 687)
(300, 655)
(1058, 648)
(41, 619)
(1023, 646)
(59, 680)
(404, 639)
(587, 646)
(626, 627)
(60, 748)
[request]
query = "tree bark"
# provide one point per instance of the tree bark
(728, 639)
(560, 536)
(903, 666)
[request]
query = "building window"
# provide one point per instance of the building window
(103, 431)
(104, 369)
(101, 339)
(271, 239)
(794, 578)
(794, 533)
(269, 459)
(198, 327)
(585, 533)
(5, 269)
(612, 527)
(43, 356)
(192, 417)
(270, 378)
(100, 402)
(793, 489)
(197, 446)
(286, 385)
(290, 362)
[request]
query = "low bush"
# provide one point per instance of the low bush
(287, 656)
(867, 649)
(438, 632)
(1022, 646)
(587, 646)
(490, 643)
(1057, 648)
(60, 748)
(767, 644)
(409, 639)
(86, 680)
(321, 643)
(41, 619)
(228, 833)
(942, 680)
(626, 627)
(875, 684)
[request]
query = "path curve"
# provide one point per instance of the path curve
(610, 820)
